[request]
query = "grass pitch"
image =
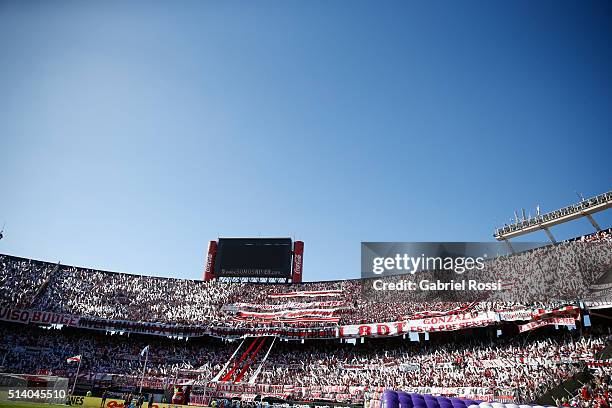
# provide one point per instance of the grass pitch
(22, 404)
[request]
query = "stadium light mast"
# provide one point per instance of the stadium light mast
(585, 208)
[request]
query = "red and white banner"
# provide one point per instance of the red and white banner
(600, 363)
(430, 324)
(561, 321)
(599, 304)
(289, 313)
(379, 367)
(75, 359)
(31, 316)
(339, 392)
(307, 293)
(288, 305)
(535, 314)
(562, 311)
(433, 313)
(279, 323)
(514, 315)
(288, 320)
(494, 363)
(335, 392)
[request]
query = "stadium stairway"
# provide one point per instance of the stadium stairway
(605, 354)
(567, 388)
(238, 365)
(250, 360)
(43, 287)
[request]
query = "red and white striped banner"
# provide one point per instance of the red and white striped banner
(434, 313)
(536, 314)
(75, 359)
(561, 321)
(599, 304)
(600, 363)
(307, 293)
(430, 324)
(288, 313)
(562, 311)
(288, 320)
(289, 305)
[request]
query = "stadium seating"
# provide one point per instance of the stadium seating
(90, 293)
(107, 317)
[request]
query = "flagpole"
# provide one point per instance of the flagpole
(77, 375)
(143, 370)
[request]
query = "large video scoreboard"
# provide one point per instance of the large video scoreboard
(253, 257)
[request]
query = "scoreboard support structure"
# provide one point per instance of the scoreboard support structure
(251, 272)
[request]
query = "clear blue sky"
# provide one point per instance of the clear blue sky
(132, 133)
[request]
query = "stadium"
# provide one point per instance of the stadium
(251, 332)
(305, 204)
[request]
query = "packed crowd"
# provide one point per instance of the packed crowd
(120, 296)
(523, 367)
(30, 349)
(22, 279)
(545, 276)
(603, 235)
(596, 394)
(526, 369)
(561, 272)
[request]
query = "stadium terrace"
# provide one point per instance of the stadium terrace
(197, 342)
